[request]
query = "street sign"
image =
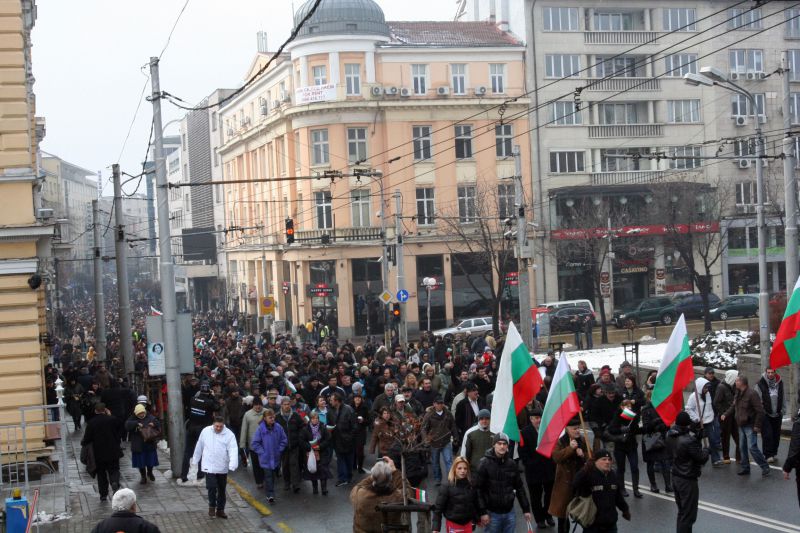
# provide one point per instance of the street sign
(402, 296)
(267, 305)
(386, 297)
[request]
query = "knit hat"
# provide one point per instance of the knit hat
(139, 409)
(500, 437)
(683, 419)
(484, 413)
(730, 377)
(141, 399)
(601, 453)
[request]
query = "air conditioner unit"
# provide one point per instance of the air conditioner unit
(734, 76)
(480, 90)
(405, 91)
(276, 104)
(743, 163)
(264, 109)
(762, 119)
(443, 91)
(764, 162)
(44, 213)
(391, 91)
(740, 120)
(376, 91)
(751, 76)
(762, 75)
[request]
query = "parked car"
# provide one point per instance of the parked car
(739, 305)
(646, 311)
(691, 305)
(560, 320)
(466, 326)
(552, 306)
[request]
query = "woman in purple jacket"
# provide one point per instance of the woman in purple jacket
(268, 443)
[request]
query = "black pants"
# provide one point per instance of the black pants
(632, 456)
(770, 435)
(797, 480)
(107, 473)
(258, 472)
(215, 484)
(729, 430)
(290, 466)
(540, 495)
(687, 495)
(192, 435)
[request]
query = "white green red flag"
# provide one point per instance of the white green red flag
(561, 406)
(518, 382)
(786, 349)
(674, 374)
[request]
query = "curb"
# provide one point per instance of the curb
(249, 498)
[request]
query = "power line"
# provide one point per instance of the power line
(175, 25)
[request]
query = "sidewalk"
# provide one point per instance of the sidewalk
(171, 508)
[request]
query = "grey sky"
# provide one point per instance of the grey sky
(87, 56)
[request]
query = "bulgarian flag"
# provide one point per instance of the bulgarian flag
(676, 371)
(420, 495)
(518, 382)
(562, 404)
(786, 349)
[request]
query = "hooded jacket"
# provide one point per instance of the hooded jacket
(771, 393)
(269, 443)
(687, 455)
(700, 406)
(723, 398)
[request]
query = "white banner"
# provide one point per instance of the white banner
(315, 93)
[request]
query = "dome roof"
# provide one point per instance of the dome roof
(337, 17)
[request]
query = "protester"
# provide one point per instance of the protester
(699, 407)
(540, 471)
(457, 500)
(343, 430)
(268, 444)
(292, 425)
(202, 407)
(654, 449)
(770, 391)
(383, 485)
(315, 439)
(250, 421)
(748, 410)
(792, 461)
(568, 455)
(622, 432)
(102, 433)
(218, 453)
(124, 519)
(723, 400)
(144, 454)
(478, 441)
(438, 429)
(687, 459)
(498, 484)
(596, 479)
(363, 423)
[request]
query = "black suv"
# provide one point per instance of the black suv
(691, 305)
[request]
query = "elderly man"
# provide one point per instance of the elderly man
(217, 452)
(124, 519)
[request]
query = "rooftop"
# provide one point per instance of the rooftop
(448, 34)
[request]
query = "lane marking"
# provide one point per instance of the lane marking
(284, 527)
(249, 498)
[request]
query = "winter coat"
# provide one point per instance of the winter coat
(344, 432)
(364, 498)
(269, 443)
(250, 422)
(567, 465)
(125, 522)
(138, 444)
(361, 427)
(606, 491)
(382, 436)
(437, 429)
(652, 423)
(457, 502)
(291, 427)
(622, 432)
(218, 453)
(103, 432)
(636, 395)
(774, 407)
(426, 397)
(465, 417)
(704, 409)
(687, 454)
(476, 443)
(793, 457)
(747, 408)
(583, 380)
(499, 481)
(73, 397)
(723, 399)
(323, 446)
(537, 466)
(234, 410)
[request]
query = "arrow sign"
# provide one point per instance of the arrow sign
(402, 296)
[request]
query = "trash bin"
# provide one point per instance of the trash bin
(16, 513)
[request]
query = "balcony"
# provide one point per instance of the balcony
(626, 177)
(609, 131)
(624, 84)
(620, 37)
(339, 234)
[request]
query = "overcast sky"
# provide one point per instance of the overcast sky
(88, 54)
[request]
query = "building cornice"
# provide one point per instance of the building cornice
(25, 233)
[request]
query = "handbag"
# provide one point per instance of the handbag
(311, 463)
(582, 510)
(654, 442)
(150, 433)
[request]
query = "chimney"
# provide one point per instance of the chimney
(502, 24)
(492, 12)
(262, 46)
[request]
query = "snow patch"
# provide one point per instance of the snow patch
(43, 517)
(721, 348)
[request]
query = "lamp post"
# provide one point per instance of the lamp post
(429, 284)
(710, 77)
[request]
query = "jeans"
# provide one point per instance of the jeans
(687, 495)
(258, 472)
(589, 340)
(269, 481)
(446, 454)
(344, 467)
(770, 435)
(748, 440)
(712, 431)
(215, 483)
(502, 522)
(578, 340)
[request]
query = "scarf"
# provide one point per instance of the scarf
(316, 432)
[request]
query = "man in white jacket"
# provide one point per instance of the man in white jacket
(218, 452)
(700, 408)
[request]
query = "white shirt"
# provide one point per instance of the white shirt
(219, 452)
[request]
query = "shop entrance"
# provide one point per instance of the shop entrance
(369, 315)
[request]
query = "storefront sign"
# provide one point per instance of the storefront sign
(315, 93)
(635, 231)
(633, 270)
(322, 290)
(679, 287)
(512, 278)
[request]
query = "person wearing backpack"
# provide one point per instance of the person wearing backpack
(596, 479)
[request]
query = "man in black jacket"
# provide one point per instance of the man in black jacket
(125, 519)
(498, 482)
(597, 479)
(102, 432)
(202, 407)
(793, 457)
(540, 471)
(342, 424)
(291, 423)
(687, 459)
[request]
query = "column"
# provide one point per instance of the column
(369, 64)
(303, 71)
(333, 67)
(596, 114)
(344, 302)
(647, 22)
(590, 21)
(275, 272)
(651, 112)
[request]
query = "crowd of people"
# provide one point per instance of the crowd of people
(291, 410)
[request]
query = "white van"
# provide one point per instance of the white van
(553, 306)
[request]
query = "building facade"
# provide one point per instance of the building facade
(434, 107)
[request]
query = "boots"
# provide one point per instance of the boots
(667, 481)
(314, 487)
(142, 473)
(635, 480)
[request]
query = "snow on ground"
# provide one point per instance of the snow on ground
(649, 354)
(43, 517)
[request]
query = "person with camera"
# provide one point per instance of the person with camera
(688, 457)
(145, 430)
(597, 479)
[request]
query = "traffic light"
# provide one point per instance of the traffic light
(396, 311)
(289, 231)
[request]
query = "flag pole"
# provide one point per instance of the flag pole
(583, 427)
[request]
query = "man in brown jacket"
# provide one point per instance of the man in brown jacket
(383, 485)
(749, 413)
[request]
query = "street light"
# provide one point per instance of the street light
(429, 284)
(712, 76)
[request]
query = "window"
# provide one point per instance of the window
(458, 74)
(613, 21)
(320, 75)
(746, 193)
(746, 60)
(618, 160)
(505, 200)
(793, 57)
(562, 65)
(741, 105)
(686, 153)
(683, 111)
(422, 142)
(463, 141)
(744, 18)
(566, 162)
(319, 147)
(216, 159)
(616, 67)
(745, 148)
(357, 145)
(497, 76)
(618, 114)
(793, 23)
(419, 75)
(352, 78)
(502, 140)
(680, 19)
(322, 205)
(560, 18)
(425, 206)
(676, 65)
(564, 113)
(360, 202)
(794, 110)
(466, 204)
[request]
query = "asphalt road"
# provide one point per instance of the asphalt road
(728, 503)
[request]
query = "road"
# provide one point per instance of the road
(728, 503)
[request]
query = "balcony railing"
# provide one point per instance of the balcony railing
(626, 177)
(625, 84)
(340, 234)
(619, 37)
(607, 131)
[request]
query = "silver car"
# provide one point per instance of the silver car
(466, 326)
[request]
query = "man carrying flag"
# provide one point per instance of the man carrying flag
(674, 374)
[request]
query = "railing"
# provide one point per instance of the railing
(606, 131)
(625, 84)
(626, 177)
(340, 234)
(619, 37)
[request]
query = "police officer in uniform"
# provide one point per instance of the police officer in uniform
(202, 407)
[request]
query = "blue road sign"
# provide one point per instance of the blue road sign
(402, 295)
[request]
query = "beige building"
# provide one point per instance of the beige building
(24, 240)
(423, 103)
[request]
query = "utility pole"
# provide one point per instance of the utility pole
(402, 327)
(264, 291)
(763, 289)
(125, 330)
(523, 253)
(167, 270)
(99, 311)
